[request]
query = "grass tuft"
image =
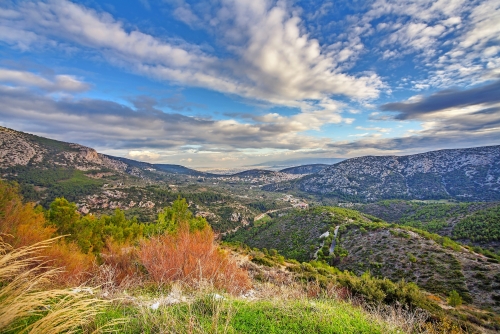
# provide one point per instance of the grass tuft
(26, 306)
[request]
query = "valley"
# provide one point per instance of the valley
(405, 220)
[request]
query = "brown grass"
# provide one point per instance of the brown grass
(193, 258)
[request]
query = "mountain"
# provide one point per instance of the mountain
(255, 173)
(167, 168)
(24, 149)
(471, 174)
(305, 169)
(298, 162)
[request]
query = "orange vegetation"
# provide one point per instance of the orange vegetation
(193, 258)
(122, 258)
(23, 225)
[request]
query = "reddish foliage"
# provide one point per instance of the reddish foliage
(21, 225)
(343, 293)
(123, 259)
(76, 267)
(313, 290)
(191, 257)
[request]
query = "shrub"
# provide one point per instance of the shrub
(22, 225)
(454, 299)
(193, 258)
(121, 261)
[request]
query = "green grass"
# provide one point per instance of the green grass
(302, 317)
(235, 316)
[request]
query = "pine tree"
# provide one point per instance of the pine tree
(454, 299)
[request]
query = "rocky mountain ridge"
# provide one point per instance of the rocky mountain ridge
(19, 148)
(305, 169)
(465, 174)
(24, 149)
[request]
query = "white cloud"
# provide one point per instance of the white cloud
(144, 155)
(142, 132)
(63, 83)
(273, 60)
(458, 41)
(377, 129)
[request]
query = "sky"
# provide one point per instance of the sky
(229, 83)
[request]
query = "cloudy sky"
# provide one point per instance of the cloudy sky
(239, 82)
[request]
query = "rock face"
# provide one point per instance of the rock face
(471, 174)
(17, 150)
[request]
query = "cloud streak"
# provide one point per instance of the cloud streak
(59, 83)
(486, 94)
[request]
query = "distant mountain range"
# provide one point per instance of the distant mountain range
(471, 174)
(19, 148)
(305, 169)
(298, 162)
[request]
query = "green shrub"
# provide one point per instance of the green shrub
(454, 299)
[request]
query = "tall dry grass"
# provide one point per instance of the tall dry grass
(192, 258)
(27, 307)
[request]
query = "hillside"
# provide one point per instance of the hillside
(295, 235)
(473, 223)
(137, 287)
(255, 173)
(24, 149)
(405, 254)
(305, 169)
(471, 174)
(364, 243)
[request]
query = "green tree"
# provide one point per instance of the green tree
(63, 215)
(171, 218)
(454, 299)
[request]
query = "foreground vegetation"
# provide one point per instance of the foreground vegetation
(171, 276)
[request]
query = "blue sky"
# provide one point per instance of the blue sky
(239, 82)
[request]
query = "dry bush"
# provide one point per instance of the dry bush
(21, 225)
(119, 269)
(193, 258)
(76, 267)
(398, 316)
(49, 311)
(434, 298)
(337, 292)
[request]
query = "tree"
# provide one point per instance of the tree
(63, 215)
(171, 218)
(454, 299)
